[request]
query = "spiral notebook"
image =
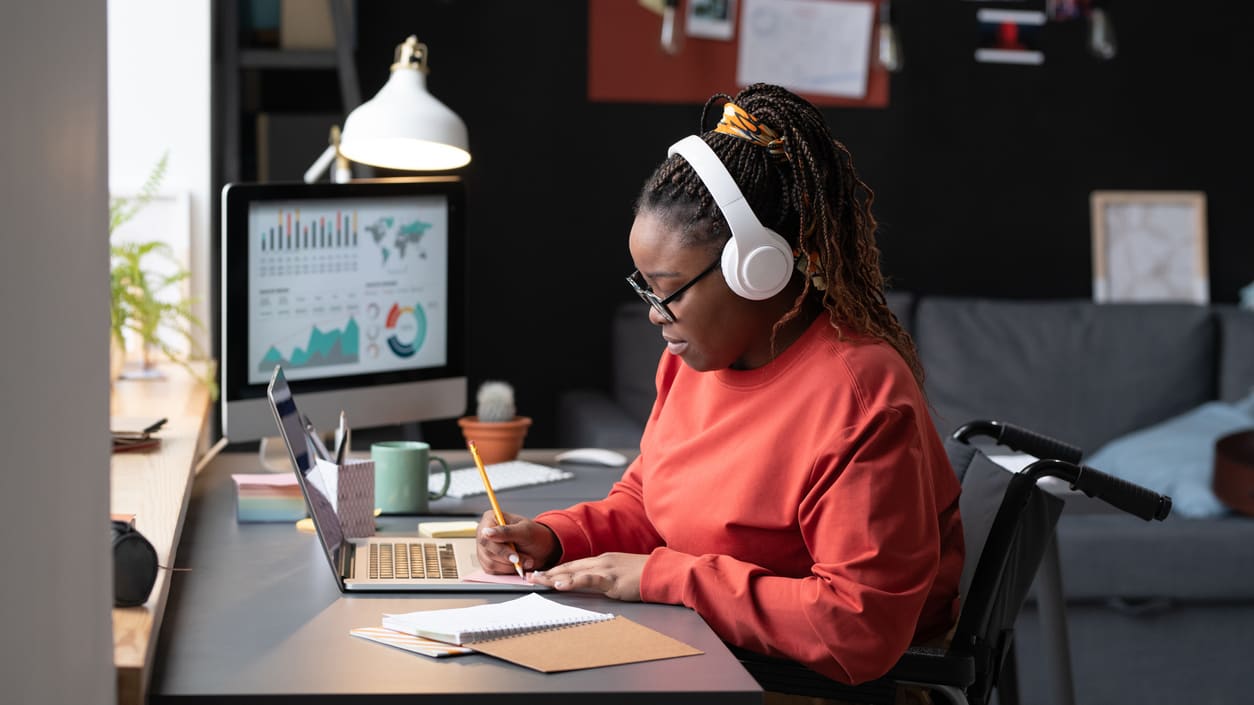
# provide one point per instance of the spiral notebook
(465, 625)
(542, 634)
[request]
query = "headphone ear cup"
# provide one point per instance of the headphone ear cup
(762, 272)
(765, 265)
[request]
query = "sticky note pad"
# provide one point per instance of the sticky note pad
(447, 529)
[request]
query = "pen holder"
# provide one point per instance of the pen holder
(351, 484)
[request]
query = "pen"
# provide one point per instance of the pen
(496, 508)
(319, 447)
(341, 439)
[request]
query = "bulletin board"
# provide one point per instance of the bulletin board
(627, 64)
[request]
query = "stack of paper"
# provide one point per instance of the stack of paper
(268, 497)
(416, 644)
(530, 631)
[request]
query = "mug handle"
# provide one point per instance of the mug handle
(447, 478)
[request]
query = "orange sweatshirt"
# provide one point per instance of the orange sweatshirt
(805, 509)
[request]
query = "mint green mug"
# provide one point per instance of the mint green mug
(402, 477)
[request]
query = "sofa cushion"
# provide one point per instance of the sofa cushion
(1119, 555)
(637, 346)
(589, 418)
(1076, 370)
(1236, 352)
(901, 303)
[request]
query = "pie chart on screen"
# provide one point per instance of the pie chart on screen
(406, 328)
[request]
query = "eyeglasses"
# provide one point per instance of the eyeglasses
(660, 305)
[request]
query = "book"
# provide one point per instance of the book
(407, 642)
(128, 445)
(134, 433)
(465, 625)
(541, 634)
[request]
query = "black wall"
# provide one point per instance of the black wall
(982, 172)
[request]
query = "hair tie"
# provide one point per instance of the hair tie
(739, 123)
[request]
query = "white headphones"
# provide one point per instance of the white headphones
(757, 261)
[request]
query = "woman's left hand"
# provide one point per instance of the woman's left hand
(615, 575)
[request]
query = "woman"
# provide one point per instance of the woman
(790, 485)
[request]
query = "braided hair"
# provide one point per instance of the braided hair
(812, 196)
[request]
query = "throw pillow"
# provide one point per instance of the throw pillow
(1177, 457)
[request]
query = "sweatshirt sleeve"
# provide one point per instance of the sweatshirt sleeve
(869, 522)
(617, 523)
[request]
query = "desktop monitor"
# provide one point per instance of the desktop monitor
(356, 290)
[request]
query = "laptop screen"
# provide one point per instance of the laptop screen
(292, 428)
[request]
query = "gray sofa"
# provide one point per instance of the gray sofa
(1157, 612)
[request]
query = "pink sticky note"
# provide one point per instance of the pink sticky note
(504, 579)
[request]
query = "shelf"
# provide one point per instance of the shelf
(154, 486)
(316, 82)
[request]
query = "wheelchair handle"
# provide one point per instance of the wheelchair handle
(1020, 439)
(1117, 492)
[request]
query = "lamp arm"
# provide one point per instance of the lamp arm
(320, 165)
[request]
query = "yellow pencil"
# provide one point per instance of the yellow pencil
(496, 508)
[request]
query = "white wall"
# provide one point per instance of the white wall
(159, 99)
(56, 595)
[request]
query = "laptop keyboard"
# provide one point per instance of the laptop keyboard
(406, 561)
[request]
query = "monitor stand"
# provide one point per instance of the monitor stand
(411, 431)
(272, 454)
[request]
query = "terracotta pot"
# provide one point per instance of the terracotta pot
(496, 441)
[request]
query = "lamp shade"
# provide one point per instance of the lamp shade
(404, 126)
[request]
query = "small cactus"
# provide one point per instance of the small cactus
(496, 402)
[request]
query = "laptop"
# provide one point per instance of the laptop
(378, 563)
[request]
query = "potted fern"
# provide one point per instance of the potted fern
(139, 309)
(495, 428)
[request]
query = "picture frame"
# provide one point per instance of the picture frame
(711, 19)
(1149, 246)
(1010, 36)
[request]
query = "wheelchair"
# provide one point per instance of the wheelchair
(1008, 527)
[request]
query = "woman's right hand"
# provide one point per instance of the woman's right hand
(536, 545)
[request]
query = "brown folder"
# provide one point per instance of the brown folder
(590, 645)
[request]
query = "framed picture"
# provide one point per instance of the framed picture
(1009, 36)
(711, 19)
(1149, 246)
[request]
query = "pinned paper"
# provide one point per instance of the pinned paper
(811, 46)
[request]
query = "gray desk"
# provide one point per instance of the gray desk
(282, 636)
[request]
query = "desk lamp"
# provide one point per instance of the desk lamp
(402, 127)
